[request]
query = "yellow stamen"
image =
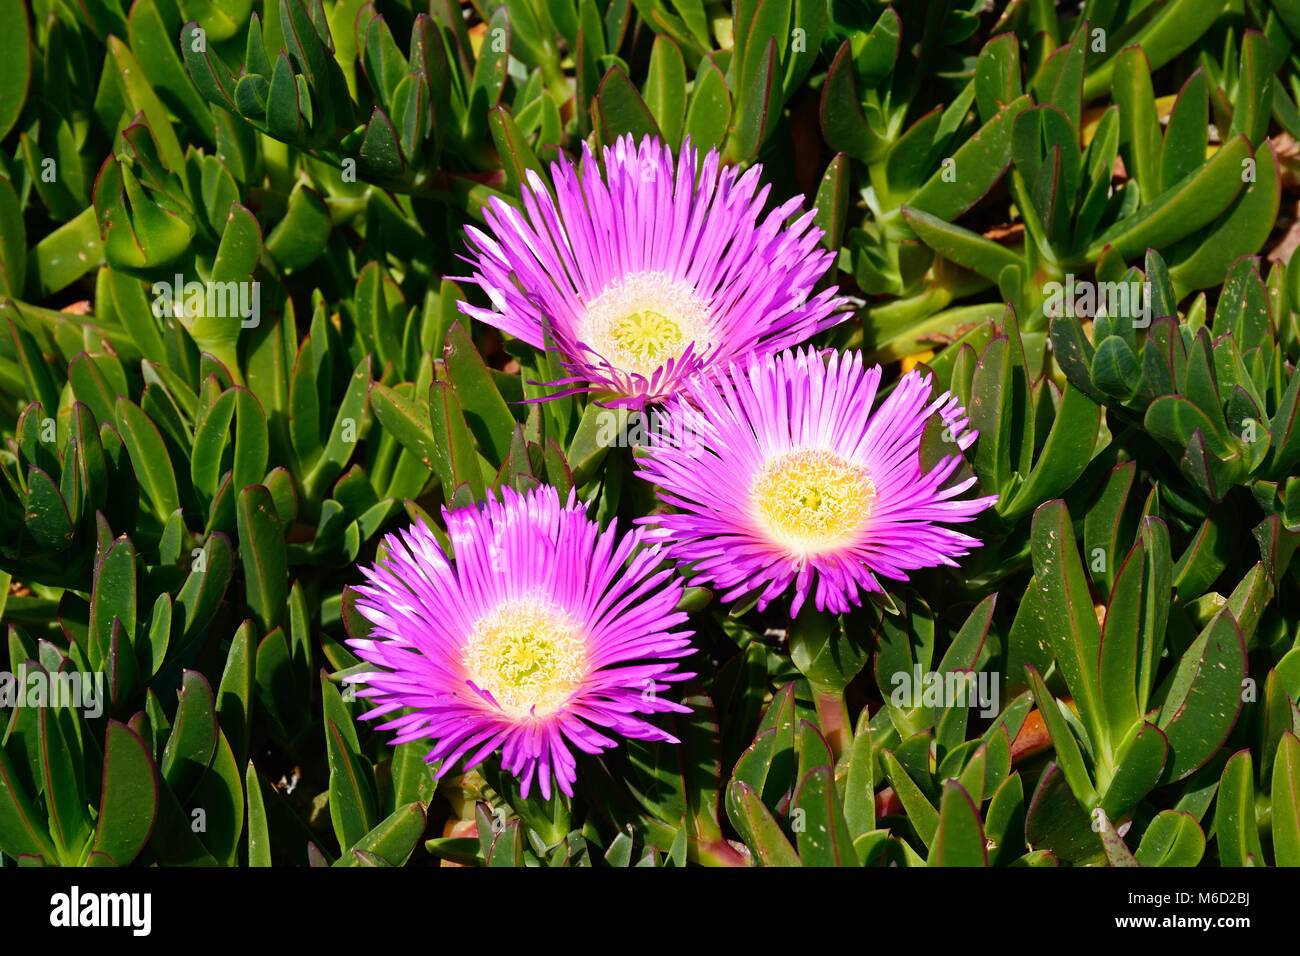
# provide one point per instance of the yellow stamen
(812, 500)
(641, 322)
(529, 655)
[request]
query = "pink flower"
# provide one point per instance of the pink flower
(544, 634)
(790, 478)
(652, 272)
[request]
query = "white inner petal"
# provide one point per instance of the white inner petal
(640, 322)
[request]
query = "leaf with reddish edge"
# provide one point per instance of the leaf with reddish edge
(21, 833)
(1140, 761)
(1235, 828)
(922, 815)
(262, 551)
(759, 828)
(709, 114)
(1067, 614)
(1056, 822)
(394, 839)
(352, 799)
(843, 123)
(128, 804)
(959, 839)
(622, 110)
(1069, 756)
(984, 157)
(1286, 801)
(113, 598)
(759, 99)
(1173, 838)
(63, 786)
(1203, 696)
(486, 413)
(149, 458)
(859, 781)
(823, 836)
(236, 690)
(193, 740)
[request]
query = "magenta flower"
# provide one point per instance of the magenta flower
(651, 272)
(542, 634)
(782, 474)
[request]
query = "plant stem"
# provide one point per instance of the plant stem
(833, 716)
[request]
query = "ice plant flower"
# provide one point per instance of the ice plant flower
(652, 271)
(541, 634)
(794, 480)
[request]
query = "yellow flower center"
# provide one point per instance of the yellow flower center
(812, 500)
(529, 655)
(642, 321)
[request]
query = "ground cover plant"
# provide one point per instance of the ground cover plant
(650, 433)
